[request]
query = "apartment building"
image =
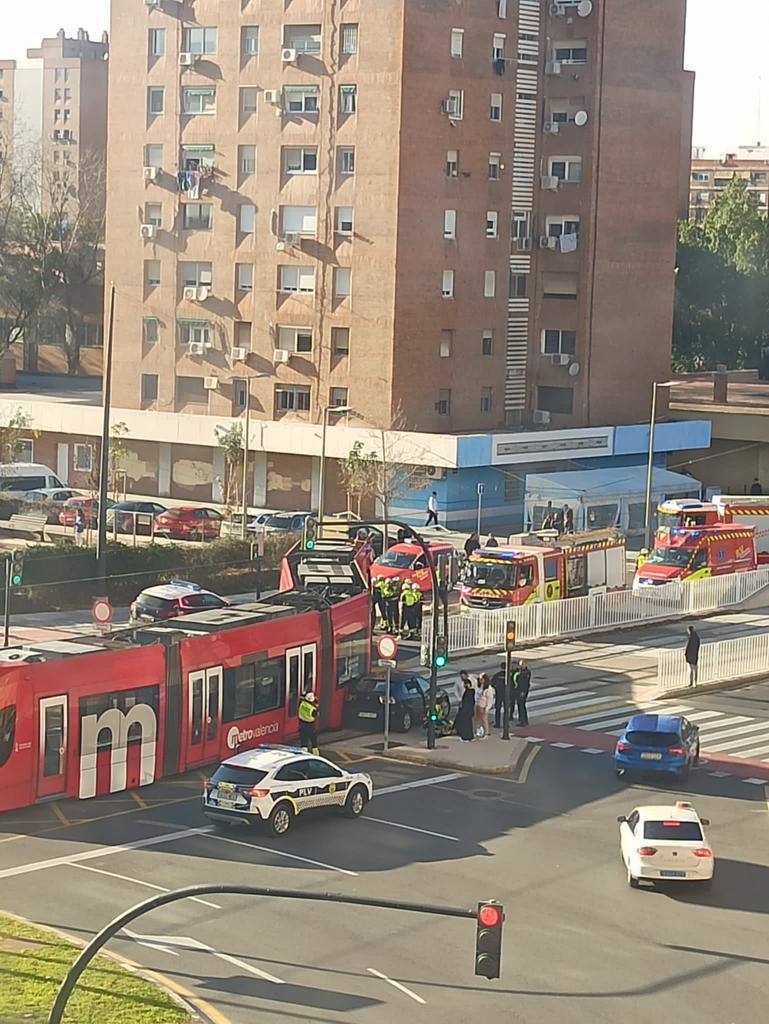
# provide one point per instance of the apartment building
(7, 93)
(435, 216)
(709, 176)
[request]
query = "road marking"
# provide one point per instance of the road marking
(137, 799)
(534, 739)
(410, 828)
(528, 760)
(591, 750)
(418, 783)
(60, 814)
(167, 942)
(755, 782)
(722, 724)
(343, 757)
(753, 750)
(599, 726)
(589, 714)
(740, 739)
(140, 881)
(719, 775)
(275, 853)
(101, 851)
(562, 746)
(397, 984)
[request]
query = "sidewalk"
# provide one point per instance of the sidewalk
(490, 756)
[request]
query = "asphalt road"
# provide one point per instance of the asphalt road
(579, 944)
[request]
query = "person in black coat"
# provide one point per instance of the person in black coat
(463, 723)
(472, 543)
(692, 654)
(522, 687)
(498, 681)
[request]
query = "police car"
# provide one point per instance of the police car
(659, 843)
(274, 783)
(179, 597)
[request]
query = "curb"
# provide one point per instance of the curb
(413, 757)
(199, 1010)
(725, 684)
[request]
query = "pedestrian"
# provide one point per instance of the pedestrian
(547, 517)
(522, 687)
(459, 686)
(79, 527)
(464, 723)
(484, 701)
(568, 519)
(308, 713)
(499, 683)
(642, 558)
(558, 521)
(472, 543)
(692, 654)
(392, 598)
(491, 541)
(432, 509)
(755, 487)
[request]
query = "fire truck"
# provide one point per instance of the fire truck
(533, 568)
(723, 509)
(691, 553)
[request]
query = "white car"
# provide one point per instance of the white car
(659, 843)
(273, 784)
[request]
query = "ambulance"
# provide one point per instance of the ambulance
(682, 553)
(723, 509)
(533, 568)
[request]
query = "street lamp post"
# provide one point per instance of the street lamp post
(246, 443)
(650, 463)
(322, 479)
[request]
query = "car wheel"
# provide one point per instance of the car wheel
(355, 802)
(697, 755)
(281, 819)
(406, 722)
(631, 880)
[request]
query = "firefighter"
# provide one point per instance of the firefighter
(417, 609)
(392, 589)
(308, 714)
(408, 605)
(642, 558)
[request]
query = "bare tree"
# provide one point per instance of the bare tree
(230, 440)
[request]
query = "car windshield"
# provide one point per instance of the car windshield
(395, 559)
(482, 574)
(645, 738)
(671, 556)
(238, 775)
(683, 831)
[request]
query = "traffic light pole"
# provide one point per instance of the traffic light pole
(508, 696)
(7, 603)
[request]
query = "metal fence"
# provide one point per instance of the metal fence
(721, 661)
(474, 629)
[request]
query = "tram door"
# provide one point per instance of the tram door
(205, 715)
(300, 679)
(52, 746)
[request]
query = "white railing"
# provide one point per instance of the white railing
(478, 629)
(718, 662)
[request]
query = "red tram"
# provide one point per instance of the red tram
(101, 715)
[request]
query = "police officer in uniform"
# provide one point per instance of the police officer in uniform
(308, 714)
(418, 607)
(408, 610)
(392, 591)
(378, 600)
(642, 558)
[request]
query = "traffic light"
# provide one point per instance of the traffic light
(488, 940)
(309, 533)
(441, 651)
(17, 567)
(510, 636)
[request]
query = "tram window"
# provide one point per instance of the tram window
(7, 731)
(250, 689)
(351, 657)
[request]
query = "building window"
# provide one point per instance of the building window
(501, 8)
(250, 40)
(340, 341)
(557, 400)
(559, 342)
(302, 220)
(152, 273)
(454, 104)
(149, 393)
(300, 99)
(155, 101)
(452, 163)
(338, 397)
(198, 100)
(196, 274)
(199, 40)
(495, 166)
(489, 283)
(153, 214)
(457, 42)
(239, 392)
(486, 399)
(292, 398)
(487, 343)
(243, 334)
(566, 169)
(559, 286)
(300, 160)
(83, 457)
(447, 284)
(446, 345)
(498, 46)
(518, 286)
(343, 220)
(302, 38)
(191, 391)
(701, 176)
(443, 405)
(495, 107)
(570, 53)
(247, 160)
(296, 279)
(295, 339)
(194, 332)
(157, 42)
(449, 223)
(349, 38)
(492, 221)
(348, 99)
(346, 161)
(244, 277)
(150, 330)
(198, 216)
(153, 155)
(342, 282)
(247, 218)
(248, 99)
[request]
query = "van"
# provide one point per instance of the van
(18, 477)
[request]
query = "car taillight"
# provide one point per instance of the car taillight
(647, 851)
(623, 745)
(678, 751)
(702, 852)
(256, 792)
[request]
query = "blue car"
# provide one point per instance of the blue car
(658, 743)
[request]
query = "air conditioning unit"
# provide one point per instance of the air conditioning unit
(291, 237)
(560, 359)
(150, 173)
(547, 242)
(239, 354)
(553, 67)
(585, 8)
(552, 127)
(541, 416)
(557, 10)
(191, 294)
(281, 355)
(148, 231)
(196, 348)
(203, 294)
(549, 181)
(152, 3)
(186, 60)
(449, 106)
(272, 95)
(288, 55)
(435, 472)
(210, 383)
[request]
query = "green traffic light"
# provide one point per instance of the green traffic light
(310, 544)
(440, 660)
(16, 579)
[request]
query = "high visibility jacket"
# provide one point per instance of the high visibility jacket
(308, 711)
(641, 560)
(409, 598)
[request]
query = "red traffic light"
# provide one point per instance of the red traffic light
(490, 916)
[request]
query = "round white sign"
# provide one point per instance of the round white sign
(102, 611)
(387, 647)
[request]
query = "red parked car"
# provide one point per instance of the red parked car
(188, 523)
(90, 507)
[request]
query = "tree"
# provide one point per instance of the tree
(230, 440)
(118, 453)
(358, 472)
(13, 434)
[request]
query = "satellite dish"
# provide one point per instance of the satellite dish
(574, 369)
(585, 8)
(580, 118)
